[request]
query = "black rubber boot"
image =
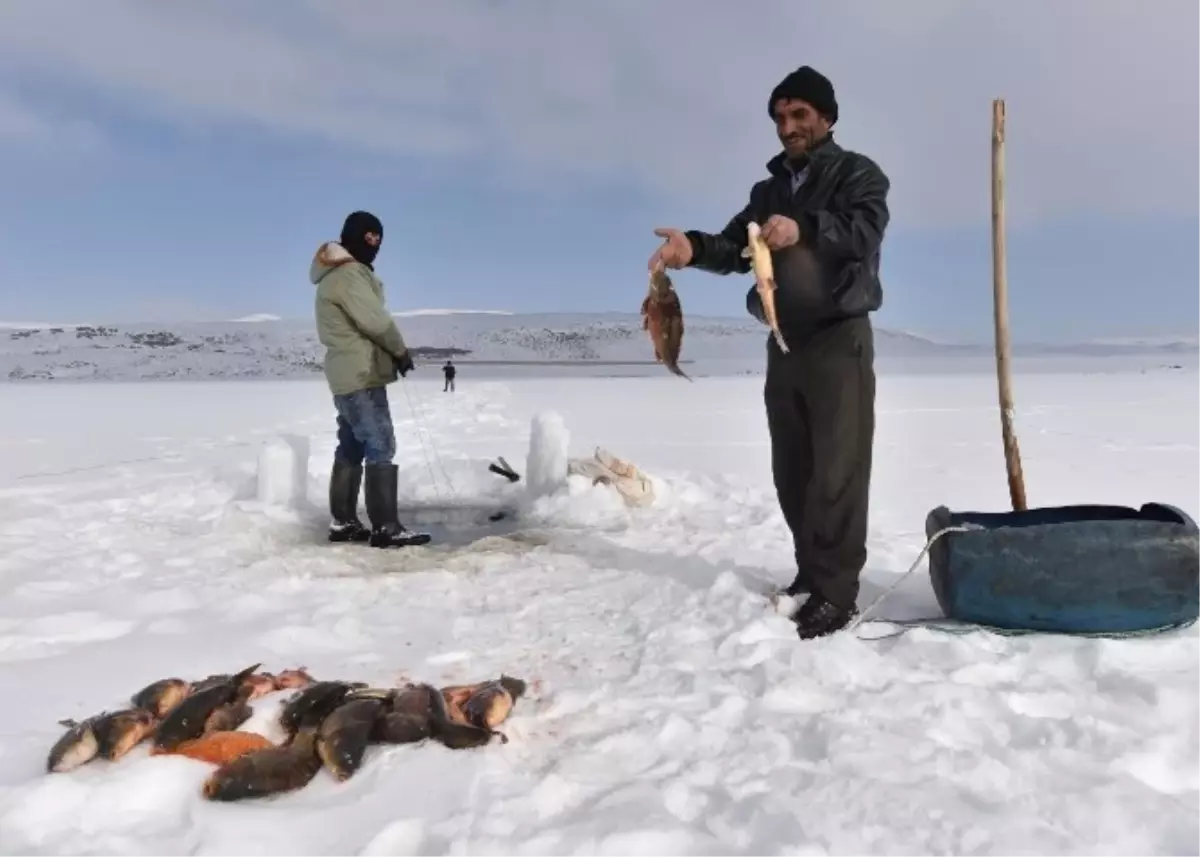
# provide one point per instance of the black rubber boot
(344, 482)
(819, 618)
(386, 529)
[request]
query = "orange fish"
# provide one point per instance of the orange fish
(218, 747)
(662, 317)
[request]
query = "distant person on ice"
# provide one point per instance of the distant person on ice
(363, 354)
(823, 210)
(449, 371)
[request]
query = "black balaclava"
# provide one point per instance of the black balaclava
(354, 233)
(807, 84)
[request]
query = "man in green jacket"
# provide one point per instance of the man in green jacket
(364, 352)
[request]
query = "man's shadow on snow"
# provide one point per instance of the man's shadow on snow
(911, 600)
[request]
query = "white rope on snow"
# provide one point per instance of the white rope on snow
(862, 617)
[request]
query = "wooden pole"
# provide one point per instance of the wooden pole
(1012, 453)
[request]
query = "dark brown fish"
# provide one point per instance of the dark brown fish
(187, 720)
(268, 771)
(228, 717)
(401, 727)
(314, 703)
(343, 736)
(414, 699)
(161, 696)
(77, 747)
(662, 317)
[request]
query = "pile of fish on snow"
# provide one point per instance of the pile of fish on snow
(327, 723)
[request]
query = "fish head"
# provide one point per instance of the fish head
(515, 686)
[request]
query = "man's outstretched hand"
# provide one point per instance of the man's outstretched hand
(675, 251)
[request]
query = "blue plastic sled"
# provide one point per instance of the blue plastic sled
(1068, 569)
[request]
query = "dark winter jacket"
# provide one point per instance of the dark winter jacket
(833, 272)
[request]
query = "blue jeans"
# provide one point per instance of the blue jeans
(365, 427)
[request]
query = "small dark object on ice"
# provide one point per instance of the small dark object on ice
(502, 468)
(188, 719)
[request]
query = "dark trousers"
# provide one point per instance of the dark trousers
(365, 430)
(449, 384)
(820, 400)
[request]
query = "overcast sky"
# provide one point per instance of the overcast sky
(170, 159)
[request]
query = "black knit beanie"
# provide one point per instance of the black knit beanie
(807, 84)
(354, 233)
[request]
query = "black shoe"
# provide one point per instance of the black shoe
(819, 617)
(344, 482)
(386, 529)
(799, 586)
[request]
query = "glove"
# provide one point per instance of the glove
(404, 364)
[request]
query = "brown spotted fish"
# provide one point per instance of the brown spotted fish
(662, 317)
(759, 255)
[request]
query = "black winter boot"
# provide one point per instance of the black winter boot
(818, 617)
(386, 529)
(344, 482)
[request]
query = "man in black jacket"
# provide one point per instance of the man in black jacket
(823, 211)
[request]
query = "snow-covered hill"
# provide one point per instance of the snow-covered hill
(262, 346)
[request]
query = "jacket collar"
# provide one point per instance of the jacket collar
(821, 154)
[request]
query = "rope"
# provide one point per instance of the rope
(421, 441)
(420, 413)
(862, 617)
(954, 626)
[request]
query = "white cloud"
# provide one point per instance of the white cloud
(1102, 94)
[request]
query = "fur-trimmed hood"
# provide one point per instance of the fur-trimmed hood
(329, 255)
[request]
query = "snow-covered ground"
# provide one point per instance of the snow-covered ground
(673, 711)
